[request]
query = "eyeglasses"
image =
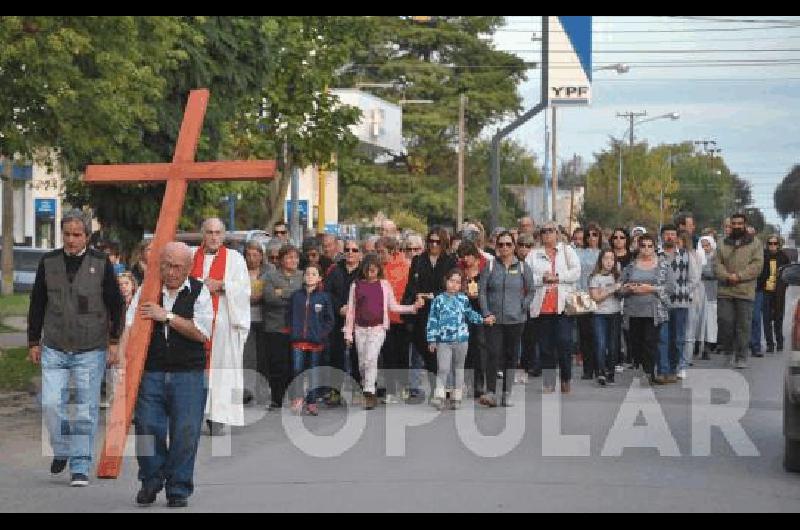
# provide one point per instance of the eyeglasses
(505, 244)
(352, 250)
(772, 243)
(434, 242)
(548, 230)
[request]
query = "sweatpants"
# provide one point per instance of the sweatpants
(450, 356)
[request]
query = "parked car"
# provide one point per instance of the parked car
(791, 401)
(26, 261)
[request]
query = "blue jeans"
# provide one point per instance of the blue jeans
(671, 341)
(169, 406)
(755, 326)
(298, 368)
(72, 438)
(606, 342)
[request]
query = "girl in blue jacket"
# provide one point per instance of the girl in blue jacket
(448, 336)
(310, 321)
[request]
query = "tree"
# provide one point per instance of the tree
(787, 194)
(80, 87)
(267, 77)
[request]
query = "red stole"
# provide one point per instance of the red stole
(217, 272)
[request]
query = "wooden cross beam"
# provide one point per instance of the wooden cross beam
(177, 176)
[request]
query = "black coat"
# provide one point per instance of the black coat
(424, 278)
(780, 289)
(337, 284)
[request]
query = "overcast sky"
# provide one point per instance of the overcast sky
(746, 97)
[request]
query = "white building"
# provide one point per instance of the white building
(380, 132)
(37, 206)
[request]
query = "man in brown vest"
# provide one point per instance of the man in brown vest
(75, 317)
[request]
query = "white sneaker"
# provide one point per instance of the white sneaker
(619, 369)
(523, 377)
(682, 374)
(390, 399)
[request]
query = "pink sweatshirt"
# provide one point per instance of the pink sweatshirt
(389, 304)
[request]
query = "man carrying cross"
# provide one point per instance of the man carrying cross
(224, 272)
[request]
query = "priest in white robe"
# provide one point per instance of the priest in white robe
(224, 272)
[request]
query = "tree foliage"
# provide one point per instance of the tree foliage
(787, 195)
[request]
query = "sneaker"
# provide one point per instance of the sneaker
(297, 406)
(488, 400)
(500, 374)
(147, 495)
(619, 368)
(58, 465)
(682, 374)
(311, 409)
(741, 365)
(602, 380)
(524, 377)
(438, 403)
(565, 387)
(79, 480)
(757, 354)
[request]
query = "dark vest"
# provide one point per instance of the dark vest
(177, 353)
(75, 319)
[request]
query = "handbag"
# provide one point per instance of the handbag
(579, 303)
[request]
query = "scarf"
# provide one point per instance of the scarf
(217, 272)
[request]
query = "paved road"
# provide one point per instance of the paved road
(439, 473)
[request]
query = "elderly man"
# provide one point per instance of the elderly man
(172, 393)
(389, 229)
(75, 313)
(224, 272)
(526, 226)
(330, 250)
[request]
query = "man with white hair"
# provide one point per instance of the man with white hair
(224, 272)
(389, 229)
(172, 392)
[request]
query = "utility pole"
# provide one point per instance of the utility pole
(554, 168)
(461, 133)
(631, 116)
(494, 164)
(545, 215)
(322, 173)
(7, 262)
(619, 179)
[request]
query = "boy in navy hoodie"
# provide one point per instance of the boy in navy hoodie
(310, 319)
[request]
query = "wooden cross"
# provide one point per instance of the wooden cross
(177, 175)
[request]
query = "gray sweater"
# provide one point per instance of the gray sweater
(507, 293)
(278, 289)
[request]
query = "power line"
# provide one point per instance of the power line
(746, 50)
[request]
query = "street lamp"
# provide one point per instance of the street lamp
(620, 68)
(631, 116)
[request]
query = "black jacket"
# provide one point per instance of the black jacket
(425, 278)
(764, 276)
(337, 284)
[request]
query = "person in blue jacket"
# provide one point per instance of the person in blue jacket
(310, 320)
(448, 336)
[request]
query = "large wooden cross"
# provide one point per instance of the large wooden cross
(177, 176)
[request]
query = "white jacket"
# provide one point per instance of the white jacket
(568, 268)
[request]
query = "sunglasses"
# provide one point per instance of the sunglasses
(352, 250)
(434, 242)
(505, 244)
(274, 258)
(773, 243)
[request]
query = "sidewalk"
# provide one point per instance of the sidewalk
(17, 339)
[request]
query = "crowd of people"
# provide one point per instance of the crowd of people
(474, 312)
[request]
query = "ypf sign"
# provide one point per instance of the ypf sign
(569, 70)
